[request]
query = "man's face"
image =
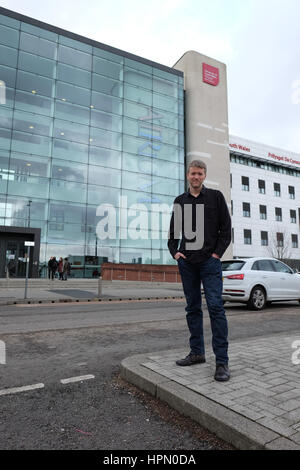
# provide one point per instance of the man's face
(195, 177)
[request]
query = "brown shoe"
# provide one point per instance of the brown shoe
(191, 359)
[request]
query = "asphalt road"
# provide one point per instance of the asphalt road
(48, 344)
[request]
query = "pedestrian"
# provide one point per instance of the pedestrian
(201, 263)
(66, 269)
(60, 268)
(49, 267)
(54, 268)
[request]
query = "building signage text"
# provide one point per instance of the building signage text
(211, 75)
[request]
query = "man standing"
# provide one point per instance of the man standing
(202, 264)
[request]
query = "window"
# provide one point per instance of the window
(263, 212)
(279, 237)
(247, 237)
(292, 192)
(280, 267)
(232, 234)
(293, 216)
(294, 241)
(231, 207)
(263, 265)
(245, 183)
(235, 265)
(264, 238)
(277, 191)
(246, 209)
(261, 186)
(278, 214)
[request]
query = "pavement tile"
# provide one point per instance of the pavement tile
(290, 405)
(261, 390)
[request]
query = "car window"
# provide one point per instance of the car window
(263, 265)
(281, 267)
(232, 265)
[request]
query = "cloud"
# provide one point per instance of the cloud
(258, 40)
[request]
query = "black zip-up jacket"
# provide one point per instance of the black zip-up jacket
(217, 225)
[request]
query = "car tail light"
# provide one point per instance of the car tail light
(235, 276)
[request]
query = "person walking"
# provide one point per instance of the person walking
(60, 268)
(49, 267)
(53, 267)
(66, 269)
(201, 263)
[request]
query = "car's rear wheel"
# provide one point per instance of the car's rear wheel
(257, 299)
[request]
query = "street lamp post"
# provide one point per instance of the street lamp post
(28, 205)
(96, 245)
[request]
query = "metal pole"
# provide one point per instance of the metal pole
(27, 272)
(99, 286)
(28, 205)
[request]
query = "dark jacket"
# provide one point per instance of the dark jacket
(217, 225)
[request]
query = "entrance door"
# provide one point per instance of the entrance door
(16, 254)
(13, 252)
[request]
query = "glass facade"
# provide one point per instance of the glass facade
(82, 127)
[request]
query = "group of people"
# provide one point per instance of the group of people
(62, 267)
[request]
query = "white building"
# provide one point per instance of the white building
(265, 200)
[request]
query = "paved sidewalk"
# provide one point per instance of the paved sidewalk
(78, 290)
(259, 408)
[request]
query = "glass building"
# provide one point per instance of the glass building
(84, 127)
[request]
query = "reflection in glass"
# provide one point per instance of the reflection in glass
(37, 45)
(68, 191)
(74, 75)
(104, 176)
(35, 144)
(35, 64)
(33, 124)
(73, 94)
(17, 208)
(30, 165)
(74, 57)
(9, 36)
(70, 151)
(63, 212)
(72, 112)
(35, 84)
(33, 103)
(80, 126)
(109, 69)
(30, 186)
(69, 171)
(105, 157)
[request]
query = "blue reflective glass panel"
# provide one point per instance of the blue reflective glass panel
(38, 46)
(9, 36)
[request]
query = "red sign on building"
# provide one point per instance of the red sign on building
(211, 75)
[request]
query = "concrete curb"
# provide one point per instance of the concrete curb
(232, 427)
(91, 300)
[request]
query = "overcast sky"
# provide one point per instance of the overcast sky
(257, 39)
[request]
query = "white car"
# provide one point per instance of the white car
(258, 281)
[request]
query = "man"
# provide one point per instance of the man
(52, 267)
(66, 269)
(202, 264)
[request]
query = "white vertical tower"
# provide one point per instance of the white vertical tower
(206, 119)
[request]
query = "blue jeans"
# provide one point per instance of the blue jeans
(210, 274)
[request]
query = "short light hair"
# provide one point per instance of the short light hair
(198, 164)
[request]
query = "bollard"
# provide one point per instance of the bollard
(99, 286)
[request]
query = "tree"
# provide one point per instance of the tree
(280, 244)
